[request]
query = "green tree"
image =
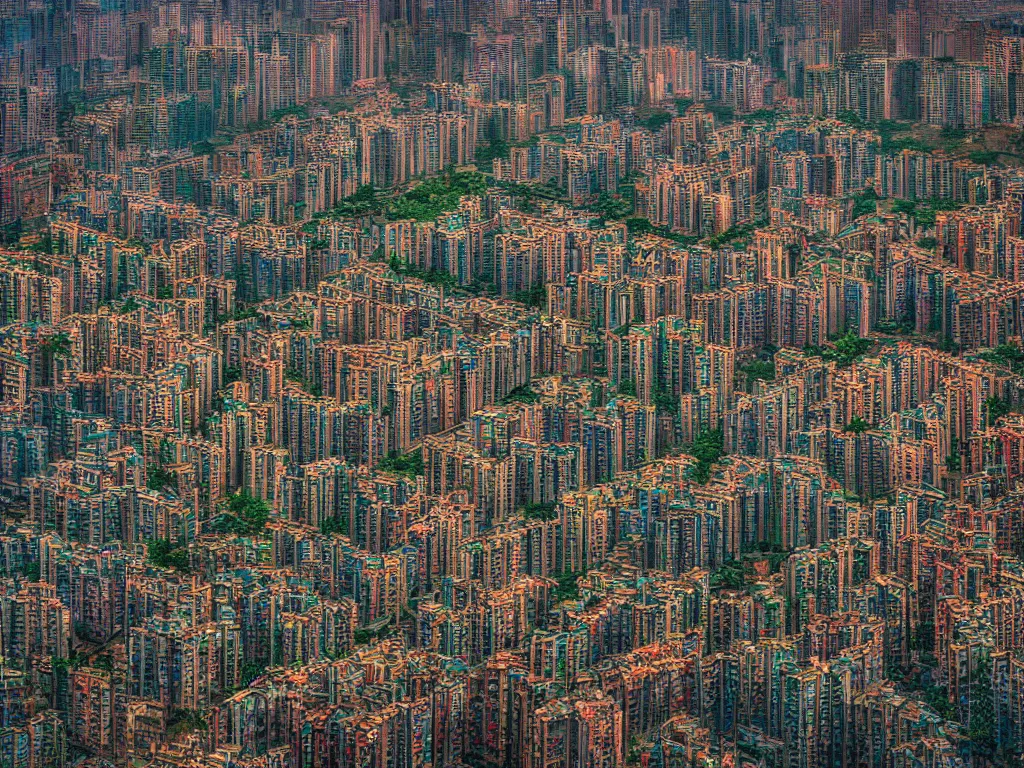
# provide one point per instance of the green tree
(56, 346)
(535, 297)
(845, 350)
(665, 401)
(568, 587)
(186, 721)
(157, 478)
(857, 425)
(408, 464)
(333, 525)
(242, 514)
(981, 723)
(996, 408)
(865, 203)
(533, 511)
(655, 121)
(637, 225)
(523, 394)
(1005, 355)
(486, 153)
(707, 449)
(759, 370)
(626, 388)
(730, 576)
(164, 554)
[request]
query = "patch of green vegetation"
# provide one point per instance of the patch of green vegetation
(937, 697)
(665, 401)
(759, 370)
(362, 202)
(611, 207)
(204, 148)
(43, 245)
(857, 425)
(724, 114)
(533, 511)
(56, 346)
(656, 120)
(981, 723)
(865, 203)
(525, 204)
(480, 286)
(924, 211)
(10, 233)
(103, 662)
(332, 525)
(707, 449)
(527, 192)
(682, 105)
(845, 350)
(242, 514)
(408, 464)
(523, 394)
(626, 388)
(433, 197)
(762, 116)
(537, 296)
(1005, 355)
(61, 664)
(567, 588)
(249, 672)
(186, 721)
(738, 232)
(164, 554)
(928, 243)
(903, 326)
(895, 145)
(952, 138)
(157, 477)
(298, 110)
(890, 143)
(984, 156)
(31, 571)
(732, 575)
(128, 306)
(996, 408)
(436, 277)
(637, 225)
(487, 153)
(851, 118)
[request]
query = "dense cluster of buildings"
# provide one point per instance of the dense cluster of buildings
(460, 385)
